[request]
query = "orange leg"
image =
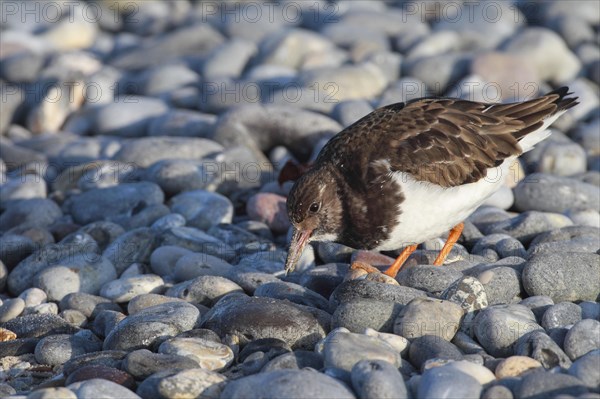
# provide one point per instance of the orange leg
(452, 238)
(397, 265)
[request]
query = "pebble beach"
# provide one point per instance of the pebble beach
(143, 221)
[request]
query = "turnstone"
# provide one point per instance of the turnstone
(410, 172)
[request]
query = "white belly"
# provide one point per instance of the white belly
(429, 210)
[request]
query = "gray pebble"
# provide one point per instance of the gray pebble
(39, 325)
(104, 203)
(50, 393)
(590, 310)
(504, 245)
(135, 246)
(542, 348)
(586, 369)
(544, 192)
(538, 305)
(96, 387)
(103, 232)
(429, 347)
(199, 264)
(502, 285)
(164, 258)
(168, 222)
(348, 112)
(527, 225)
(105, 321)
(142, 363)
(197, 241)
(74, 317)
(11, 308)
(446, 382)
(143, 152)
(208, 354)
(42, 308)
(352, 289)
(14, 248)
(360, 313)
(498, 327)
(331, 252)
(287, 383)
(567, 239)
(541, 384)
(125, 289)
(205, 290)
(202, 209)
(428, 316)
(377, 379)
(561, 315)
(562, 159)
(250, 318)
(470, 295)
(293, 293)
(57, 349)
(144, 301)
(33, 296)
(544, 275)
(18, 347)
(152, 324)
(428, 278)
(582, 338)
(87, 304)
(296, 360)
(30, 212)
(497, 392)
(173, 383)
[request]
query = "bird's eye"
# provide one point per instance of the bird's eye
(314, 207)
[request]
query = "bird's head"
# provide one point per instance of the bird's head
(315, 210)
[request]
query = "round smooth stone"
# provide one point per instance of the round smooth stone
(561, 315)
(124, 290)
(52, 393)
(287, 384)
(296, 360)
(57, 349)
(342, 350)
(100, 388)
(11, 308)
(33, 296)
(142, 363)
(174, 384)
(445, 383)
(542, 384)
(582, 338)
(400, 344)
(514, 366)
(428, 316)
(429, 347)
(208, 354)
(144, 301)
(586, 369)
(39, 325)
(378, 379)
(479, 372)
(74, 317)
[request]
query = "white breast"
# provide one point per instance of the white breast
(429, 210)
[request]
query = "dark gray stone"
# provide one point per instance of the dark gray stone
(38, 212)
(502, 285)
(428, 316)
(174, 383)
(89, 305)
(111, 202)
(431, 347)
(151, 324)
(57, 349)
(378, 379)
(251, 318)
(112, 359)
(538, 305)
(428, 278)
(324, 279)
(544, 274)
(135, 246)
(293, 293)
(368, 289)
(39, 325)
(360, 313)
(296, 360)
(527, 225)
(142, 363)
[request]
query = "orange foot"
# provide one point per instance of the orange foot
(364, 270)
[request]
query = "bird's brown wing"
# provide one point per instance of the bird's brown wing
(448, 142)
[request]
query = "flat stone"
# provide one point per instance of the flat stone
(11, 308)
(39, 325)
(514, 366)
(195, 265)
(124, 290)
(89, 305)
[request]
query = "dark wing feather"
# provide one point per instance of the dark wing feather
(442, 141)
